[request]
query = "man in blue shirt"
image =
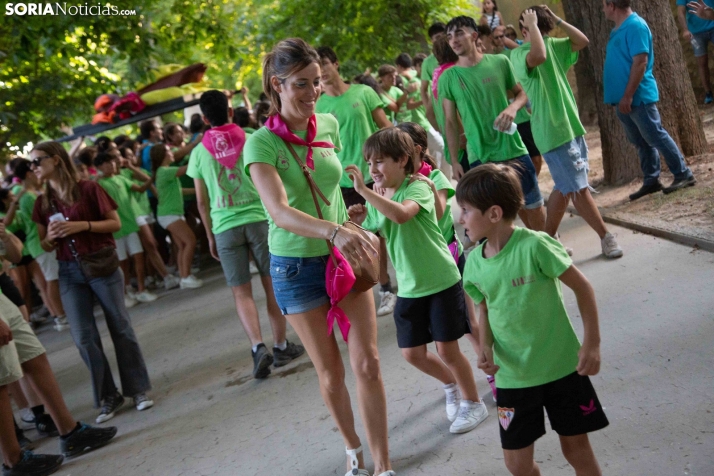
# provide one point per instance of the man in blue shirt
(699, 33)
(630, 84)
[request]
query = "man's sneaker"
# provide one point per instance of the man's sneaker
(46, 425)
(470, 415)
(386, 303)
(679, 184)
(171, 281)
(709, 98)
(142, 402)
(129, 290)
(284, 357)
(646, 190)
(610, 248)
(129, 301)
(31, 464)
(109, 408)
(36, 319)
(261, 361)
(492, 383)
(22, 440)
(190, 282)
(453, 401)
(86, 438)
(61, 323)
(146, 296)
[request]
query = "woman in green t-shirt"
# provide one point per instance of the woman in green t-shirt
(170, 210)
(291, 79)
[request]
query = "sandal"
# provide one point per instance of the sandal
(356, 471)
(387, 473)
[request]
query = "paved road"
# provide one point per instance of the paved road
(657, 319)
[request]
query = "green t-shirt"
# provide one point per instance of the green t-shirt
(446, 223)
(418, 114)
(233, 197)
(404, 115)
(428, 66)
(119, 188)
(170, 194)
(32, 237)
(139, 199)
(534, 340)
(417, 249)
(555, 112)
(440, 118)
(185, 180)
(480, 94)
(522, 115)
(265, 147)
(353, 111)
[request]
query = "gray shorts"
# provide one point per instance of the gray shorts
(233, 246)
(23, 347)
(568, 165)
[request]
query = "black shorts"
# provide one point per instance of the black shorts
(26, 259)
(440, 317)
(351, 197)
(571, 402)
(524, 129)
(7, 285)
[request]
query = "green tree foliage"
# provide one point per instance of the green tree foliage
(52, 68)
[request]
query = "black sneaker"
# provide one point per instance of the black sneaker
(86, 438)
(261, 362)
(31, 464)
(291, 352)
(679, 184)
(46, 425)
(110, 406)
(646, 190)
(22, 440)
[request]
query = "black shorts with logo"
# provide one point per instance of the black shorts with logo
(571, 402)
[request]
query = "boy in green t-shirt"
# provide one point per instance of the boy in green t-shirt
(526, 335)
(541, 66)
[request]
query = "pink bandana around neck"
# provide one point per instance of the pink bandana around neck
(425, 169)
(225, 143)
(277, 126)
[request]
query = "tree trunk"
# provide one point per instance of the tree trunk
(678, 107)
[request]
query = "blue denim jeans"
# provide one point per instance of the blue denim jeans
(77, 295)
(644, 130)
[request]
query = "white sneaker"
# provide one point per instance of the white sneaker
(61, 323)
(146, 296)
(470, 415)
(386, 303)
(130, 291)
(610, 248)
(387, 473)
(171, 281)
(142, 402)
(453, 401)
(190, 282)
(129, 301)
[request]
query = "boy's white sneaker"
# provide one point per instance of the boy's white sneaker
(171, 281)
(145, 296)
(453, 401)
(191, 282)
(129, 301)
(470, 415)
(386, 303)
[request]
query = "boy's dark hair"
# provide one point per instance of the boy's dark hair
(418, 59)
(461, 22)
(403, 60)
(196, 124)
(484, 30)
(327, 52)
(621, 4)
(102, 143)
(4, 193)
(545, 22)
(241, 116)
(102, 158)
(391, 142)
(120, 139)
(436, 28)
(146, 128)
(488, 185)
(214, 106)
(22, 169)
(261, 112)
(443, 52)
(368, 80)
(86, 156)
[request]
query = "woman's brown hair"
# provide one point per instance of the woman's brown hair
(391, 142)
(67, 176)
(157, 154)
(288, 57)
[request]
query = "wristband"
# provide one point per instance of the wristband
(560, 20)
(334, 234)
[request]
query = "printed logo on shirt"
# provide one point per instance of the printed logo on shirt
(505, 416)
(589, 409)
(356, 105)
(283, 163)
(326, 152)
(523, 280)
(488, 80)
(230, 182)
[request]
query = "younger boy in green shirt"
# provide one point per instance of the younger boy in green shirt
(526, 335)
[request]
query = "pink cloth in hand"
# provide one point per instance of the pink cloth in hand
(339, 281)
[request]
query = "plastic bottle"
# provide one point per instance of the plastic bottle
(510, 131)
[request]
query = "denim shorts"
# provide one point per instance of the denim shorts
(700, 41)
(568, 165)
(299, 283)
(529, 180)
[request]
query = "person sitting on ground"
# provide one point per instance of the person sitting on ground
(554, 372)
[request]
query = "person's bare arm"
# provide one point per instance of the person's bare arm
(637, 72)
(13, 245)
(589, 355)
(203, 201)
(185, 150)
(426, 98)
(510, 44)
(537, 55)
(413, 104)
(506, 118)
(398, 212)
(485, 360)
(700, 9)
(452, 136)
(578, 40)
(61, 229)
(380, 118)
(682, 17)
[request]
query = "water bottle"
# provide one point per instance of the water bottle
(510, 131)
